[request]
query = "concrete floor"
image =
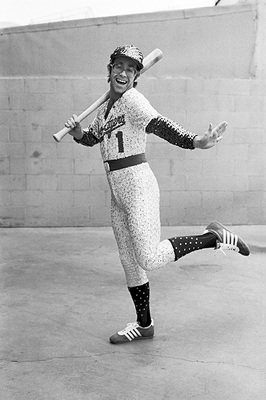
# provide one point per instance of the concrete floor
(63, 294)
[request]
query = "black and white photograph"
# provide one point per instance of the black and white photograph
(133, 200)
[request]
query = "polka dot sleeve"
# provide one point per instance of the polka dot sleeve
(172, 132)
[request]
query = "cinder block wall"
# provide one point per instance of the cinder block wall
(211, 71)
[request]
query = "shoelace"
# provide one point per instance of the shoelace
(229, 242)
(131, 331)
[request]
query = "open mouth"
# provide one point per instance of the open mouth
(121, 81)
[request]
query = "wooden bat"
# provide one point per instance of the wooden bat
(148, 62)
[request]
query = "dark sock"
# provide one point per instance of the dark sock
(186, 244)
(141, 298)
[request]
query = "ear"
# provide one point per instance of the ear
(109, 69)
(135, 79)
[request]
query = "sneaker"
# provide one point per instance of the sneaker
(227, 240)
(133, 331)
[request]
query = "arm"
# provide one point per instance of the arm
(172, 132)
(88, 138)
(81, 136)
(178, 136)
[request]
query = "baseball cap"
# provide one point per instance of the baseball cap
(130, 51)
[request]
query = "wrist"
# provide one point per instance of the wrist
(79, 135)
(196, 142)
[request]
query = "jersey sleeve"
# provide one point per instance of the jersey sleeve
(172, 132)
(88, 138)
(140, 111)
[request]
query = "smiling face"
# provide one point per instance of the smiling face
(122, 75)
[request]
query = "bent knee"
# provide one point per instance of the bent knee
(148, 265)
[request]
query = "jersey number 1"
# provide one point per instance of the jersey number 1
(119, 136)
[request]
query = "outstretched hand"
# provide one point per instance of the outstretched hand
(211, 137)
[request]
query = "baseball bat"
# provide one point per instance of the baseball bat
(148, 62)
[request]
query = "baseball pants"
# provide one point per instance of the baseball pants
(135, 216)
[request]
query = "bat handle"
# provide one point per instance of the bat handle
(59, 135)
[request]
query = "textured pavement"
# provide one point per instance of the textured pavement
(63, 294)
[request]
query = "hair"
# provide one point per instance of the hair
(109, 68)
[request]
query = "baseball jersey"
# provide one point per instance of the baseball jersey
(124, 131)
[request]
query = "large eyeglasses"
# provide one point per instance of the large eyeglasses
(119, 68)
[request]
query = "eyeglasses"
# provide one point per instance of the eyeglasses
(119, 68)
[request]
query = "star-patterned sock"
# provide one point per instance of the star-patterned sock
(186, 244)
(141, 298)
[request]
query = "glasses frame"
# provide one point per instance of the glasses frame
(129, 74)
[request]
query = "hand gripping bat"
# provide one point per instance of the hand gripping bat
(148, 62)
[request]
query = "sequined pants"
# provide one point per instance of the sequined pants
(135, 216)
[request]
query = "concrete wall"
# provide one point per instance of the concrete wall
(213, 69)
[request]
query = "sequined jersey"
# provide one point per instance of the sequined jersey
(123, 132)
(135, 207)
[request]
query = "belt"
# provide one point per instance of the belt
(113, 165)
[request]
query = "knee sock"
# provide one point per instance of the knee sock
(186, 244)
(141, 298)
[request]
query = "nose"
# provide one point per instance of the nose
(123, 73)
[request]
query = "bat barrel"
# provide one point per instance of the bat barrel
(152, 58)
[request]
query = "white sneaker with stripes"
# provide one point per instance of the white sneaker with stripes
(133, 331)
(227, 240)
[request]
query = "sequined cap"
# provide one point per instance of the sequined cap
(129, 51)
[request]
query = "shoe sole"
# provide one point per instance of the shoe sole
(133, 340)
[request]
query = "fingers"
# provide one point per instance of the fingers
(220, 128)
(218, 131)
(72, 122)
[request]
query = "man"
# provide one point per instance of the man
(121, 127)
